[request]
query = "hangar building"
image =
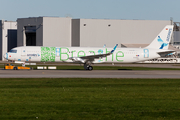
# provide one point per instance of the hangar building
(176, 40)
(55, 31)
(97, 32)
(8, 36)
(44, 31)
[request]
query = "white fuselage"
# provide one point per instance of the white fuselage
(56, 54)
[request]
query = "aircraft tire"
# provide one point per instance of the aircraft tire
(86, 67)
(90, 68)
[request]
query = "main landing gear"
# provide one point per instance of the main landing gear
(88, 67)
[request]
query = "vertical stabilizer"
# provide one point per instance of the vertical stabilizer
(163, 39)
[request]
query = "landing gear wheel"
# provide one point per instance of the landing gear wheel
(90, 68)
(86, 67)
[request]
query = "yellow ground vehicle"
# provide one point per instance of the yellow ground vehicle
(10, 66)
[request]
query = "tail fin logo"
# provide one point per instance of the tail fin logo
(169, 34)
(161, 42)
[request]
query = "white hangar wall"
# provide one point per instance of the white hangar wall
(97, 32)
(56, 31)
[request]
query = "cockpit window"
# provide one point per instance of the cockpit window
(13, 51)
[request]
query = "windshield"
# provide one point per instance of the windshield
(13, 51)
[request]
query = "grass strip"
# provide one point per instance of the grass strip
(86, 98)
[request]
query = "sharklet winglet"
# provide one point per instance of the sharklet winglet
(114, 48)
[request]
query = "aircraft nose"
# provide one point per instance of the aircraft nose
(5, 56)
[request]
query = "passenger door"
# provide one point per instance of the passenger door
(23, 54)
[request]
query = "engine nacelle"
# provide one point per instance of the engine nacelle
(77, 59)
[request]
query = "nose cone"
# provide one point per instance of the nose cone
(5, 56)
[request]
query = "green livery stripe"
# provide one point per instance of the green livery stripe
(48, 54)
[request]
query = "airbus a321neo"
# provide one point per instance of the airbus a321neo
(90, 55)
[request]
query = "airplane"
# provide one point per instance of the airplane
(91, 55)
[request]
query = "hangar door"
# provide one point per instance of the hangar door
(12, 39)
(30, 32)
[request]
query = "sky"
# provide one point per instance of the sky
(91, 9)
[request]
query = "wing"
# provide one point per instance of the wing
(91, 58)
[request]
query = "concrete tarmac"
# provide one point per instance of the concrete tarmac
(97, 73)
(89, 74)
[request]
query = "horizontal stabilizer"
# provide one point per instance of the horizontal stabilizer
(162, 54)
